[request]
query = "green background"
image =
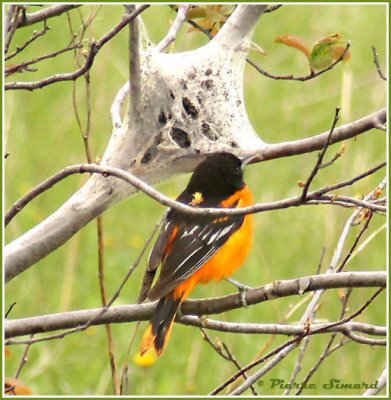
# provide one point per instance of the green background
(42, 137)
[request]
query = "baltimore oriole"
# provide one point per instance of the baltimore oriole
(195, 249)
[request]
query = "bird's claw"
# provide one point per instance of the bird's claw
(242, 291)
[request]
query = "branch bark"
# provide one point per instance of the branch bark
(314, 143)
(75, 214)
(46, 13)
(142, 312)
(93, 51)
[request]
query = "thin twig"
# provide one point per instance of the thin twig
(23, 359)
(22, 66)
(173, 31)
(93, 51)
(272, 7)
(167, 201)
(134, 70)
(33, 37)
(7, 313)
(320, 157)
(311, 75)
(315, 300)
(280, 329)
(377, 65)
(327, 352)
(218, 348)
(328, 349)
(287, 348)
(11, 24)
(44, 14)
(124, 375)
(364, 340)
(85, 133)
(355, 243)
(103, 294)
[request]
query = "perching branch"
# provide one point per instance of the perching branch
(311, 198)
(282, 351)
(15, 269)
(140, 312)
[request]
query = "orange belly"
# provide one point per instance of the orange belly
(230, 256)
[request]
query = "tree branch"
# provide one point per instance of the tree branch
(314, 143)
(320, 157)
(15, 268)
(94, 49)
(377, 65)
(141, 312)
(381, 383)
(167, 201)
(46, 13)
(311, 75)
(287, 329)
(175, 26)
(285, 349)
(34, 36)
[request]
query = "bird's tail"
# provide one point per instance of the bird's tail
(158, 332)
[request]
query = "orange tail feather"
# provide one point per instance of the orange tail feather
(158, 332)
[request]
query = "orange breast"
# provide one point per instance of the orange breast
(231, 255)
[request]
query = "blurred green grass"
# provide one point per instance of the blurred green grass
(42, 137)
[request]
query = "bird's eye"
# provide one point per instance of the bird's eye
(237, 170)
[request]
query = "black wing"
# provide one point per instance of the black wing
(197, 239)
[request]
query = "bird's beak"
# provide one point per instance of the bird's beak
(247, 159)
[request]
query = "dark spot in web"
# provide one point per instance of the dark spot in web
(180, 137)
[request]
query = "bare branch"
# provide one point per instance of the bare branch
(272, 7)
(376, 61)
(217, 305)
(167, 201)
(328, 349)
(94, 49)
(11, 24)
(13, 270)
(134, 71)
(23, 359)
(218, 347)
(381, 383)
(284, 350)
(20, 67)
(288, 348)
(344, 132)
(320, 157)
(173, 31)
(282, 329)
(33, 37)
(364, 340)
(45, 14)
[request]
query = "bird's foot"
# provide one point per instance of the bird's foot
(242, 291)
